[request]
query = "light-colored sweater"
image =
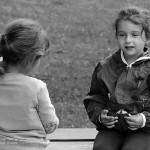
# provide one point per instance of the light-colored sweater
(25, 106)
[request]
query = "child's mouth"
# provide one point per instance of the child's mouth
(129, 47)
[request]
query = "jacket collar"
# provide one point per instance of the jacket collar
(144, 57)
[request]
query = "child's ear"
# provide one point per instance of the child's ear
(37, 57)
(147, 44)
(34, 61)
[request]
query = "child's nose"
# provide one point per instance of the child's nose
(128, 39)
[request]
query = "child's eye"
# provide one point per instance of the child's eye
(135, 34)
(121, 35)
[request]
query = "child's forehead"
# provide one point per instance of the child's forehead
(127, 25)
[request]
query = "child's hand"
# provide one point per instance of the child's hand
(108, 121)
(134, 121)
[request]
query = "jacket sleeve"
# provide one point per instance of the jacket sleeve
(97, 98)
(146, 111)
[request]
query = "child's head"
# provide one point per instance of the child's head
(136, 15)
(132, 28)
(23, 42)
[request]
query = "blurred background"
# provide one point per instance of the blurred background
(81, 34)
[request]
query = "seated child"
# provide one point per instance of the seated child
(26, 111)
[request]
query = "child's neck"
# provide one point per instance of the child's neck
(16, 69)
(131, 59)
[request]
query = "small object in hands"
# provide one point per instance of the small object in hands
(121, 125)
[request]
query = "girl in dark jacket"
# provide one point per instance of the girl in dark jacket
(119, 99)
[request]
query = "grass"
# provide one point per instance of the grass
(81, 35)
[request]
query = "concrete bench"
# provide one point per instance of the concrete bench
(72, 139)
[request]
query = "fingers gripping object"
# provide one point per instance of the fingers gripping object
(121, 125)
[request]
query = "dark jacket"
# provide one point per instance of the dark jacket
(115, 86)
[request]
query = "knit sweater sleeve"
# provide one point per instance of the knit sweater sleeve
(96, 99)
(46, 110)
